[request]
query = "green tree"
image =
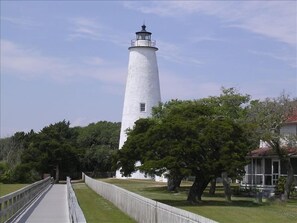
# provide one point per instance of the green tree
(99, 141)
(98, 159)
(186, 138)
(59, 150)
(53, 150)
(11, 150)
(233, 105)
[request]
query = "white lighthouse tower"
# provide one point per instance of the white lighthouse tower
(142, 86)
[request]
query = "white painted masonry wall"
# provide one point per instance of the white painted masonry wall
(142, 87)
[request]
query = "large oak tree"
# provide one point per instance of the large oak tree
(184, 138)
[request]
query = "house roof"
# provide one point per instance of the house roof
(267, 151)
(292, 118)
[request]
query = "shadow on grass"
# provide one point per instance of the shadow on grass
(238, 203)
(181, 190)
(207, 199)
(219, 192)
(156, 189)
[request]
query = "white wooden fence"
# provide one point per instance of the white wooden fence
(12, 204)
(75, 213)
(142, 209)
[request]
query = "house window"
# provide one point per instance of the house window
(294, 164)
(268, 180)
(257, 166)
(268, 166)
(142, 107)
(275, 171)
(275, 166)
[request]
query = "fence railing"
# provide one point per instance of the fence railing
(75, 213)
(149, 43)
(12, 204)
(143, 209)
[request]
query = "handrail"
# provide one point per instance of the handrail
(148, 43)
(75, 213)
(12, 204)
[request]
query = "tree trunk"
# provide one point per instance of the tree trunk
(213, 184)
(290, 179)
(57, 173)
(227, 188)
(174, 182)
(193, 193)
(197, 188)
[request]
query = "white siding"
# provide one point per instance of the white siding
(289, 129)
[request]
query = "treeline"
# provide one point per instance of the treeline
(58, 150)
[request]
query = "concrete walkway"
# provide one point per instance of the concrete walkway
(51, 207)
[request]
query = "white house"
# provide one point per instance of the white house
(265, 167)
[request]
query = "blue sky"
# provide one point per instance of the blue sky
(68, 59)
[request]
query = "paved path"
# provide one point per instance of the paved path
(52, 207)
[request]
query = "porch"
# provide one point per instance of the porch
(264, 172)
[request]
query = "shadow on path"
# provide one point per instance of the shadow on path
(25, 214)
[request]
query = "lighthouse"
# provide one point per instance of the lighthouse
(142, 86)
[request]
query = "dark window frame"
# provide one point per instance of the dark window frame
(142, 107)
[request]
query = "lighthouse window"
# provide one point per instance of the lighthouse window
(142, 107)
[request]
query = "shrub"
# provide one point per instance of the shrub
(280, 186)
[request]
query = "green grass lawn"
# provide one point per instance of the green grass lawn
(241, 209)
(8, 188)
(97, 209)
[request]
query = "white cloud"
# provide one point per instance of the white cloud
(85, 28)
(197, 39)
(174, 86)
(90, 28)
(174, 53)
(27, 62)
(25, 23)
(273, 19)
(80, 121)
(291, 61)
(95, 61)
(158, 8)
(30, 63)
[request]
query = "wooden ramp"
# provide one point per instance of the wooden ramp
(51, 207)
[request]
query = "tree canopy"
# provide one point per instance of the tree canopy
(58, 150)
(99, 141)
(201, 138)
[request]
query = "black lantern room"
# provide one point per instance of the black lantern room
(143, 34)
